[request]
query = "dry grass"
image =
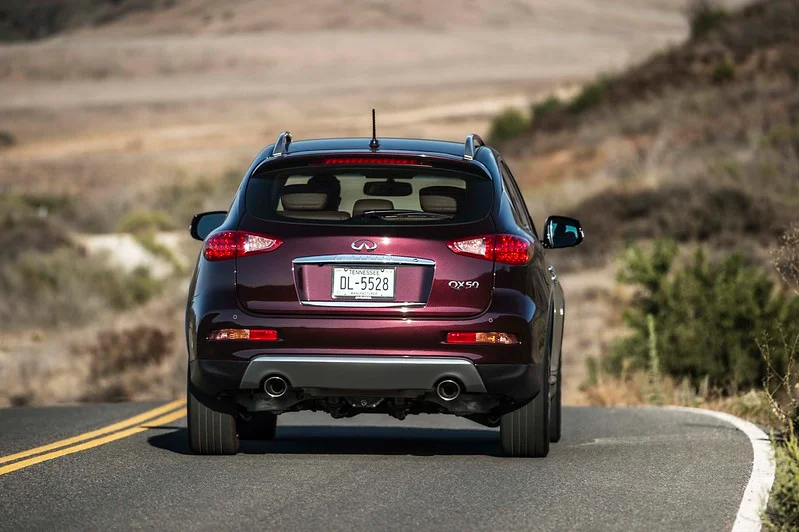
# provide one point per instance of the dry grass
(639, 389)
(135, 355)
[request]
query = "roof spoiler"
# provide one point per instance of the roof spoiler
(473, 142)
(281, 144)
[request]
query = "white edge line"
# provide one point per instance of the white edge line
(762, 477)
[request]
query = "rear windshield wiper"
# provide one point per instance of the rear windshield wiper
(403, 214)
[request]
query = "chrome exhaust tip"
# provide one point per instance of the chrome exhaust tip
(276, 387)
(448, 390)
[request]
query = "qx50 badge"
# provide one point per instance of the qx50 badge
(463, 285)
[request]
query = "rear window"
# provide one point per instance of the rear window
(369, 195)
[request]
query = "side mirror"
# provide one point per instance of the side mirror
(202, 224)
(562, 232)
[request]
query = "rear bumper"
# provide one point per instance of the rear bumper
(363, 373)
(516, 382)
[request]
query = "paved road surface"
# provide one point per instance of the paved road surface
(615, 469)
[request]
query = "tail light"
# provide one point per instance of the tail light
(482, 338)
(371, 160)
(255, 335)
(505, 249)
(231, 244)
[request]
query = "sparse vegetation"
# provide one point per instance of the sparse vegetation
(65, 286)
(119, 360)
(780, 349)
(145, 221)
(782, 513)
(7, 139)
(590, 96)
(50, 279)
(542, 109)
(724, 72)
(636, 388)
(507, 125)
(705, 16)
(714, 215)
(25, 20)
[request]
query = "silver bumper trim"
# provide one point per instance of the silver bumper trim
(363, 372)
(361, 259)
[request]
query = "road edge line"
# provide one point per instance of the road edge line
(761, 479)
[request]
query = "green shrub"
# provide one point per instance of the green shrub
(144, 221)
(547, 107)
(782, 512)
(510, 123)
(705, 16)
(590, 96)
(707, 317)
(7, 139)
(724, 71)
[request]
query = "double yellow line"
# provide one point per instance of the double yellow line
(166, 414)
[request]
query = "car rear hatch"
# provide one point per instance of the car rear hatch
(366, 237)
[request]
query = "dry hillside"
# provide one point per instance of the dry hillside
(130, 116)
(699, 143)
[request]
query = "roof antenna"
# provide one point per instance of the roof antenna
(373, 144)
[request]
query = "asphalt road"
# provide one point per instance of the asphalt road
(615, 469)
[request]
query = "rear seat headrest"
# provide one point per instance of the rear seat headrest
(441, 199)
(369, 204)
(317, 215)
(304, 201)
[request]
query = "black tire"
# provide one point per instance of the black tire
(555, 412)
(258, 426)
(212, 425)
(525, 432)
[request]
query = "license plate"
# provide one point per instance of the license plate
(363, 283)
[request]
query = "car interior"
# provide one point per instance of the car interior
(343, 197)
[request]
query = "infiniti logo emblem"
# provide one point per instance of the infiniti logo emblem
(361, 245)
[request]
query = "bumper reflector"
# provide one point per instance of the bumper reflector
(482, 338)
(257, 335)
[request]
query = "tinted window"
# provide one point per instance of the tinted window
(369, 195)
(517, 200)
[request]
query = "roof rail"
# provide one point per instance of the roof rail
(281, 144)
(472, 143)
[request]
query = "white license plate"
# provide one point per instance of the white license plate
(363, 283)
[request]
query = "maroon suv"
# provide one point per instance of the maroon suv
(399, 277)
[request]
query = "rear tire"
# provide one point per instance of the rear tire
(555, 413)
(212, 425)
(525, 432)
(260, 426)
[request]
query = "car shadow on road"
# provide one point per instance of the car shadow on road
(323, 439)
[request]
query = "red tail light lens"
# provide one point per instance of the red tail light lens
(505, 249)
(231, 244)
(371, 160)
(482, 338)
(255, 335)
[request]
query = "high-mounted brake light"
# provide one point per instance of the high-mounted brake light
(482, 338)
(255, 335)
(231, 244)
(505, 249)
(372, 160)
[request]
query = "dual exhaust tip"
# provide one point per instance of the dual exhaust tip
(276, 387)
(448, 389)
